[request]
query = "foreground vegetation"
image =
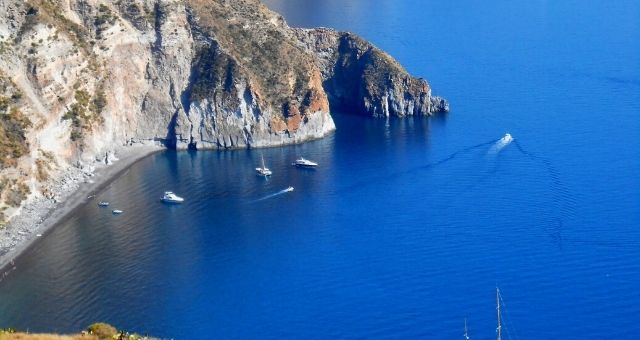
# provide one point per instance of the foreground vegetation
(98, 331)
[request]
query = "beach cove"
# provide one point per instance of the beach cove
(75, 188)
(407, 226)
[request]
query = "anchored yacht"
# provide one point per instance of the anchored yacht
(170, 197)
(304, 163)
(263, 171)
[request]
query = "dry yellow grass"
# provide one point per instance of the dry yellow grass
(96, 331)
(27, 336)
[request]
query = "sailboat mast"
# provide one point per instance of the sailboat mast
(499, 328)
(466, 333)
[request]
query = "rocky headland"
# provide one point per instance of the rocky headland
(82, 81)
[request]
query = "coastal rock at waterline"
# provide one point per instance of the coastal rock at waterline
(80, 79)
(439, 104)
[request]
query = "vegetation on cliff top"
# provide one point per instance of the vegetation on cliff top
(255, 43)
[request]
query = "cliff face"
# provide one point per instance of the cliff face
(81, 78)
(362, 78)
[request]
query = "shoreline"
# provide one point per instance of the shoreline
(75, 188)
(41, 215)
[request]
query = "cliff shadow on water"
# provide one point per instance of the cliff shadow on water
(171, 140)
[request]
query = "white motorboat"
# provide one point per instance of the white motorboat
(103, 204)
(288, 189)
(304, 163)
(263, 171)
(170, 197)
(500, 144)
(117, 212)
(506, 139)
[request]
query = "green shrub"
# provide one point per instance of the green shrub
(85, 113)
(13, 142)
(17, 193)
(102, 330)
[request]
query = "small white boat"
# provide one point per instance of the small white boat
(103, 204)
(288, 189)
(263, 171)
(117, 212)
(304, 163)
(506, 139)
(170, 197)
(500, 144)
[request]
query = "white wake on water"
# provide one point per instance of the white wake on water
(281, 192)
(501, 144)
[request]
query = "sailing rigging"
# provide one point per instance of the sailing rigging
(466, 332)
(499, 328)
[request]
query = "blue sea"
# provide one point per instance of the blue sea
(408, 225)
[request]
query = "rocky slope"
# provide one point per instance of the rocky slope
(80, 79)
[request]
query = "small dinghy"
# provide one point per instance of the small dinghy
(117, 212)
(103, 204)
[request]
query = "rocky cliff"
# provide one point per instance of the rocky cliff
(360, 77)
(80, 79)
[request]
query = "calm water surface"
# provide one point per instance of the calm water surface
(408, 225)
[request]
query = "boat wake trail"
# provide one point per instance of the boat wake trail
(562, 199)
(428, 166)
(281, 192)
(457, 153)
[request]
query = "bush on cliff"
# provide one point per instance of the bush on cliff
(102, 330)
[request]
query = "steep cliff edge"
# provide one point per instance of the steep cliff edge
(362, 78)
(81, 79)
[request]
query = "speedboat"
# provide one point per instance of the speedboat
(117, 212)
(304, 163)
(501, 144)
(170, 197)
(103, 204)
(263, 171)
(289, 189)
(506, 139)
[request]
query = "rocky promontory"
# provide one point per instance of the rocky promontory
(82, 79)
(361, 78)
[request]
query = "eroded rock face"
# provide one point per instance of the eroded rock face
(362, 78)
(93, 76)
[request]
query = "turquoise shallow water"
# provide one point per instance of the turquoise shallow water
(408, 225)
